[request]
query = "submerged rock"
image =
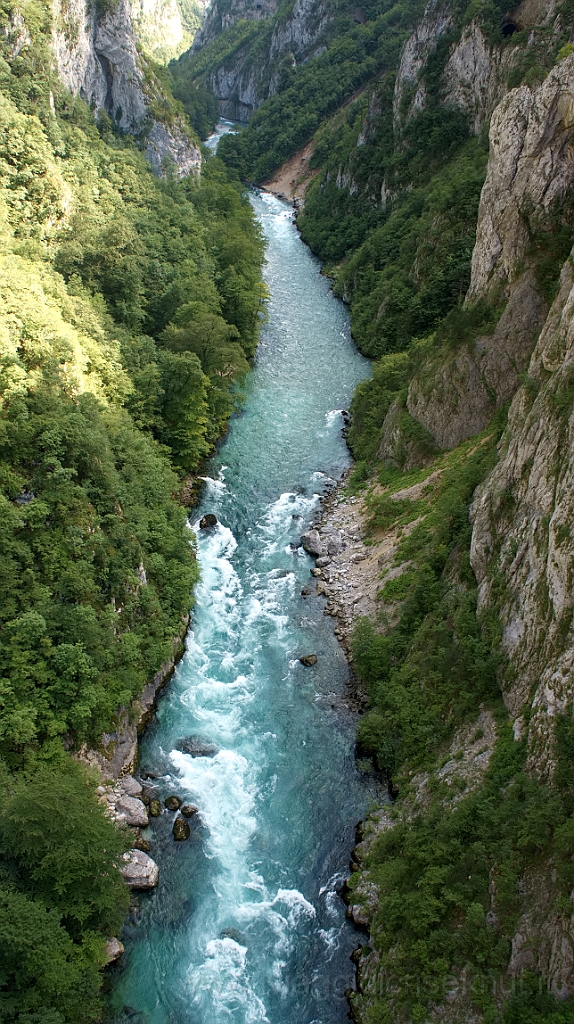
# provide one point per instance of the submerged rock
(308, 660)
(234, 934)
(181, 830)
(149, 793)
(173, 803)
(142, 844)
(207, 521)
(155, 808)
(195, 746)
(140, 871)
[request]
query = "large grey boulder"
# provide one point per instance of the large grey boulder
(140, 871)
(132, 810)
(195, 746)
(313, 544)
(131, 786)
(334, 543)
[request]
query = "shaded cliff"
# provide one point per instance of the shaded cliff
(97, 59)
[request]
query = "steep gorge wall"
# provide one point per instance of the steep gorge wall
(97, 59)
(530, 172)
(250, 74)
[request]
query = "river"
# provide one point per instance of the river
(246, 925)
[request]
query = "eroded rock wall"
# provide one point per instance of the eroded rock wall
(522, 546)
(244, 80)
(97, 59)
(530, 172)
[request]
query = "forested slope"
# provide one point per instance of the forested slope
(442, 203)
(129, 312)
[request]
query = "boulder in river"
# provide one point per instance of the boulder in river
(234, 935)
(208, 520)
(313, 544)
(140, 871)
(181, 830)
(149, 793)
(308, 660)
(173, 803)
(155, 808)
(188, 810)
(195, 746)
(133, 810)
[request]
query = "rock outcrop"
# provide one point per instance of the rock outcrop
(97, 59)
(118, 750)
(530, 172)
(530, 169)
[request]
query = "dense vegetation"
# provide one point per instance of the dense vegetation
(130, 310)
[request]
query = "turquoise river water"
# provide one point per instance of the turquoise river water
(246, 925)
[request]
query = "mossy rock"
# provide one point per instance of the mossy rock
(181, 830)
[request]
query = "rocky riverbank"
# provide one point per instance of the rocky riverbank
(128, 801)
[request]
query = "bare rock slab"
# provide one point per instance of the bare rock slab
(131, 786)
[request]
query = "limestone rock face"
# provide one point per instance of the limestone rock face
(434, 23)
(530, 166)
(140, 871)
(522, 530)
(242, 86)
(468, 76)
(97, 59)
(456, 394)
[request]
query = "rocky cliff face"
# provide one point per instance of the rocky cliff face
(522, 535)
(530, 173)
(97, 59)
(243, 80)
